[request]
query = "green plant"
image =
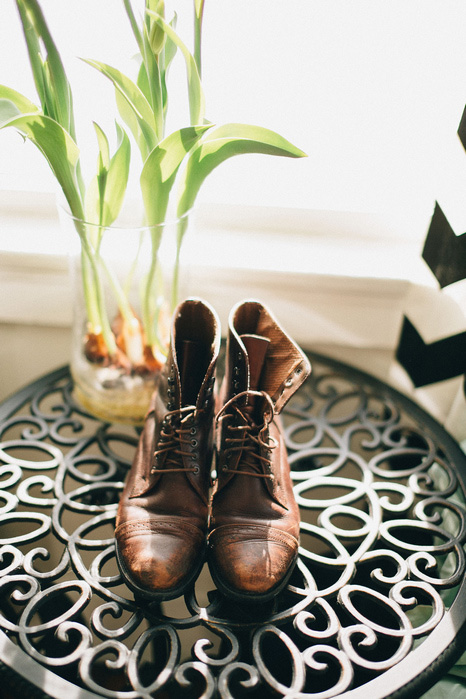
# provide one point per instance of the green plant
(174, 164)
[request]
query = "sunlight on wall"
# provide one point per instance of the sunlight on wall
(372, 90)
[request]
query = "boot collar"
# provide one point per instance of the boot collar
(286, 366)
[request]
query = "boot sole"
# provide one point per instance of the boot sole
(157, 596)
(252, 597)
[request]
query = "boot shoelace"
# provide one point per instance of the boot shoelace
(178, 430)
(248, 438)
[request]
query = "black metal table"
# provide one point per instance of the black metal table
(376, 606)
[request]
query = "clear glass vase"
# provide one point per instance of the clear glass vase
(126, 281)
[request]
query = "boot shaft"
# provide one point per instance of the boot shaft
(182, 408)
(264, 368)
(261, 356)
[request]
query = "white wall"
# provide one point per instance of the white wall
(372, 90)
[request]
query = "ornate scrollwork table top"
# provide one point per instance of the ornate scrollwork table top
(375, 607)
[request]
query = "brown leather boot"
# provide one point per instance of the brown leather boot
(254, 525)
(163, 512)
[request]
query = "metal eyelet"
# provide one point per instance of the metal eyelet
(196, 469)
(193, 430)
(194, 443)
(289, 382)
(171, 380)
(224, 468)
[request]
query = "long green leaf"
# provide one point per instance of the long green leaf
(8, 110)
(59, 149)
(104, 148)
(106, 191)
(222, 143)
(198, 15)
(134, 24)
(155, 84)
(143, 81)
(161, 167)
(13, 104)
(95, 192)
(196, 94)
(36, 59)
(117, 178)
(135, 99)
(57, 98)
(165, 61)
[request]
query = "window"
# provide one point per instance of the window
(372, 91)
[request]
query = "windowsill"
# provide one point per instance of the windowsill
(326, 273)
(336, 288)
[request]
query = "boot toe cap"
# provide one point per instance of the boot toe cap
(251, 562)
(159, 561)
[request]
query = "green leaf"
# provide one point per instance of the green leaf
(13, 103)
(8, 110)
(161, 167)
(104, 149)
(198, 15)
(198, 7)
(95, 192)
(129, 117)
(223, 143)
(117, 178)
(156, 34)
(49, 74)
(143, 81)
(170, 46)
(196, 94)
(165, 61)
(135, 99)
(155, 83)
(134, 24)
(59, 149)
(106, 191)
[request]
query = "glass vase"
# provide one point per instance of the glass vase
(126, 279)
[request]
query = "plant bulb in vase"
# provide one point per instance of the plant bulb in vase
(121, 327)
(121, 341)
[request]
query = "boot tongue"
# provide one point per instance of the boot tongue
(190, 364)
(256, 350)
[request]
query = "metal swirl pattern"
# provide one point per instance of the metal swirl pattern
(374, 607)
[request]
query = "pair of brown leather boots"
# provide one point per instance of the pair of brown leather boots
(167, 520)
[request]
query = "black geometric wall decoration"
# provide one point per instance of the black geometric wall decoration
(444, 252)
(427, 363)
(462, 129)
